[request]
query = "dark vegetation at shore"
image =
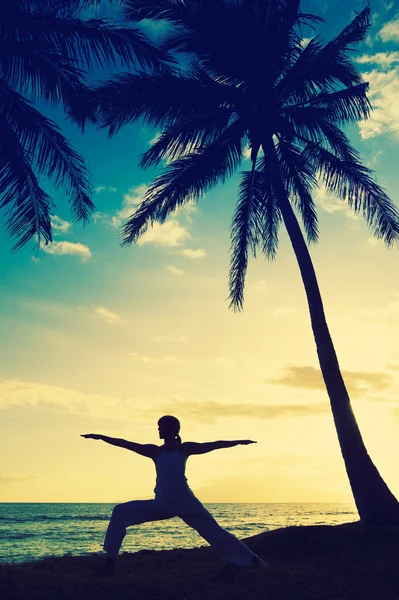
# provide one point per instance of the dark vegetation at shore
(345, 562)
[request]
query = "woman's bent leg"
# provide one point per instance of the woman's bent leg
(130, 513)
(225, 543)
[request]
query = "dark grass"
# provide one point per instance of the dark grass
(345, 562)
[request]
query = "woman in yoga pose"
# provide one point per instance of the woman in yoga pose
(173, 497)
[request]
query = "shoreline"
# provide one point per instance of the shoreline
(319, 562)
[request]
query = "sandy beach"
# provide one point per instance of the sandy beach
(345, 562)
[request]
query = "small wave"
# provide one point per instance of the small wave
(21, 536)
(43, 518)
(252, 524)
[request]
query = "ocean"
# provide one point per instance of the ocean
(31, 531)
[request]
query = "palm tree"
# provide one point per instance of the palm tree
(45, 51)
(247, 78)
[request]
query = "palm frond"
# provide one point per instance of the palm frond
(330, 137)
(272, 217)
(92, 42)
(246, 232)
(81, 108)
(186, 137)
(197, 33)
(272, 220)
(353, 182)
(28, 206)
(48, 150)
(320, 124)
(299, 180)
(353, 33)
(333, 58)
(295, 82)
(159, 100)
(186, 179)
(39, 71)
(58, 7)
(342, 106)
(320, 66)
(157, 10)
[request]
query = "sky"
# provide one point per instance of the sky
(103, 339)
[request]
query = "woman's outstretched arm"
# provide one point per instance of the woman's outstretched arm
(149, 450)
(202, 448)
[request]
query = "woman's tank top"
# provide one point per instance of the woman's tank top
(171, 487)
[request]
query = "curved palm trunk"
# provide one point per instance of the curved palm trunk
(375, 502)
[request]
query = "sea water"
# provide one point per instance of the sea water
(30, 531)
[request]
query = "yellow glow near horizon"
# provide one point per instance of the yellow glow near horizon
(226, 376)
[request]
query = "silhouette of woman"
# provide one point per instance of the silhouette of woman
(173, 497)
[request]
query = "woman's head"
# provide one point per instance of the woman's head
(169, 428)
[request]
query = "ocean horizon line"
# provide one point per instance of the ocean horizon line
(146, 498)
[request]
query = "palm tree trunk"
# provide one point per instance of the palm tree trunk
(375, 502)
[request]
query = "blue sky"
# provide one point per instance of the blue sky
(94, 336)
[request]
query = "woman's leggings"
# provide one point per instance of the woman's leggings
(141, 511)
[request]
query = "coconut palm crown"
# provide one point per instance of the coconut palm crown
(248, 80)
(45, 51)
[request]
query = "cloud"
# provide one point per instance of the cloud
(6, 478)
(63, 248)
(100, 216)
(384, 59)
(261, 286)
(154, 139)
(189, 253)
(374, 159)
(327, 201)
(60, 225)
(107, 315)
(15, 393)
(186, 210)
(131, 200)
(384, 97)
(390, 31)
(213, 410)
(331, 203)
(170, 233)
(300, 377)
(101, 188)
(174, 270)
(247, 152)
(357, 382)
